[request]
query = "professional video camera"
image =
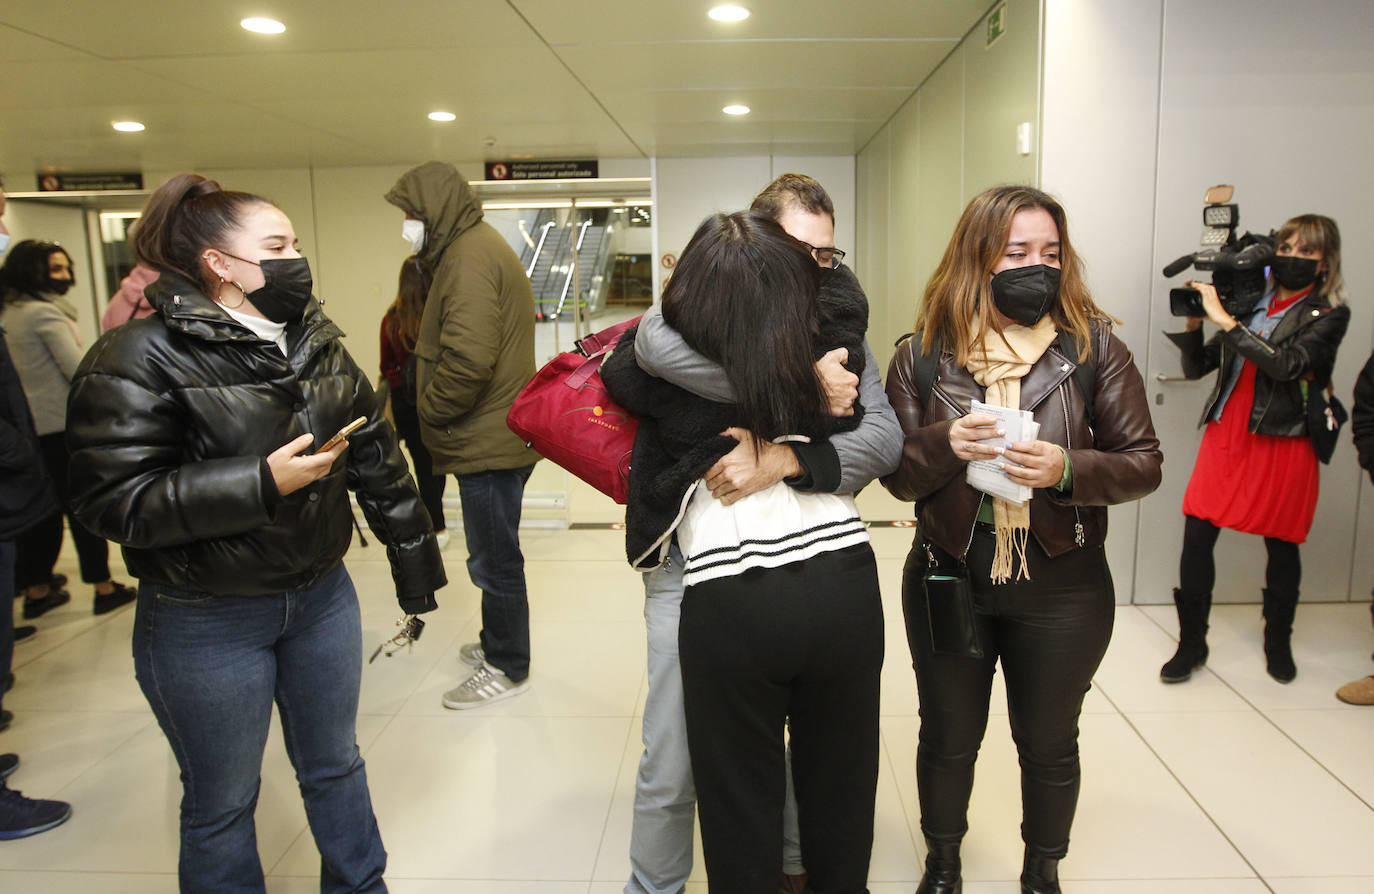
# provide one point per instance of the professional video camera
(1237, 263)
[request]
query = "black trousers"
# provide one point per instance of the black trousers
(805, 641)
(431, 486)
(39, 546)
(1197, 569)
(1050, 633)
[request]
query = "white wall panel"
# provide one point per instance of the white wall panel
(871, 239)
(1098, 158)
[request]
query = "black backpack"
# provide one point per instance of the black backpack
(1084, 375)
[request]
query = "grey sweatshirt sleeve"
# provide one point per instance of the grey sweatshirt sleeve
(874, 448)
(660, 351)
(871, 450)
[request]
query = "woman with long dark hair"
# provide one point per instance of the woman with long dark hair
(201, 441)
(400, 328)
(1008, 320)
(40, 330)
(781, 616)
(1256, 470)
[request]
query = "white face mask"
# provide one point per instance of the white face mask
(413, 231)
(4, 242)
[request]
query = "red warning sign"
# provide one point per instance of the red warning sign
(499, 171)
(669, 261)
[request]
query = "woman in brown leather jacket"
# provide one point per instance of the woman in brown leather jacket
(1007, 319)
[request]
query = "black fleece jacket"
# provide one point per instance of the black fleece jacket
(679, 435)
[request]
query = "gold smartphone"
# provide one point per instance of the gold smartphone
(344, 432)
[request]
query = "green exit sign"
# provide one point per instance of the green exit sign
(997, 23)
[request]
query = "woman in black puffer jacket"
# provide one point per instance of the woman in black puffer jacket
(191, 435)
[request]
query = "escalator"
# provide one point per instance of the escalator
(575, 269)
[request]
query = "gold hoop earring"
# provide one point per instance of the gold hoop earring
(243, 296)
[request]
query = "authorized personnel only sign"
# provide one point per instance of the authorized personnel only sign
(542, 170)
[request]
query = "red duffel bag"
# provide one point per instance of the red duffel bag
(566, 414)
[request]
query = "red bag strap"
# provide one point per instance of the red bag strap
(578, 377)
(599, 342)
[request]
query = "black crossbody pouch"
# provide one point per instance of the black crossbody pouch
(949, 606)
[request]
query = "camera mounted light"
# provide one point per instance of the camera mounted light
(1221, 216)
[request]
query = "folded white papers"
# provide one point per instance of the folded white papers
(987, 474)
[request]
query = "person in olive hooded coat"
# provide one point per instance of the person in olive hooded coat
(474, 354)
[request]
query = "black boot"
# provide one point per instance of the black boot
(942, 869)
(1039, 874)
(1193, 609)
(1279, 609)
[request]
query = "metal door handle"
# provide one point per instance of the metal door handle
(1160, 377)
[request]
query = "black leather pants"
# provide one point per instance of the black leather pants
(1050, 633)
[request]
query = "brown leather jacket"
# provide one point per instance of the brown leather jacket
(1120, 461)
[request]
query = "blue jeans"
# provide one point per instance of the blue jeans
(665, 799)
(211, 667)
(491, 526)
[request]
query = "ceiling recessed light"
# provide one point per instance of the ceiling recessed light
(442, 116)
(127, 126)
(736, 110)
(729, 13)
(262, 26)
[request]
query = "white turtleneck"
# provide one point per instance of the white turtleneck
(263, 329)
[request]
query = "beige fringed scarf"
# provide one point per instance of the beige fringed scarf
(999, 368)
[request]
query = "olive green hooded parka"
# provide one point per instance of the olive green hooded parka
(475, 350)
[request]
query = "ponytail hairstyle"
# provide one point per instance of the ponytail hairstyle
(412, 288)
(1321, 233)
(744, 295)
(184, 216)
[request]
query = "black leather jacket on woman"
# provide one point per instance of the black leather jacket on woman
(1303, 346)
(170, 421)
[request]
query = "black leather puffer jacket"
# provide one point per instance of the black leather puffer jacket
(1302, 347)
(170, 421)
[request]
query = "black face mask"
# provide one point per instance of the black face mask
(1025, 294)
(285, 290)
(57, 286)
(1294, 274)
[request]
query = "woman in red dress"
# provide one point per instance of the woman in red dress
(1256, 471)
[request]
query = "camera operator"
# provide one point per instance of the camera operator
(1256, 470)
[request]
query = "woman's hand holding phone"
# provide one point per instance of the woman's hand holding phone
(292, 470)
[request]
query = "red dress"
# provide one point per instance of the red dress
(1258, 484)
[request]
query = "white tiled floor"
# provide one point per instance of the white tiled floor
(1229, 784)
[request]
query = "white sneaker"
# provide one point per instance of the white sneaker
(442, 537)
(487, 684)
(472, 654)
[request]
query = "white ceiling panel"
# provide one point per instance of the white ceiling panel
(414, 78)
(87, 83)
(741, 64)
(202, 30)
(633, 21)
(350, 82)
(17, 46)
(771, 103)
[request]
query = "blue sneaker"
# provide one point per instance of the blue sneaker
(21, 816)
